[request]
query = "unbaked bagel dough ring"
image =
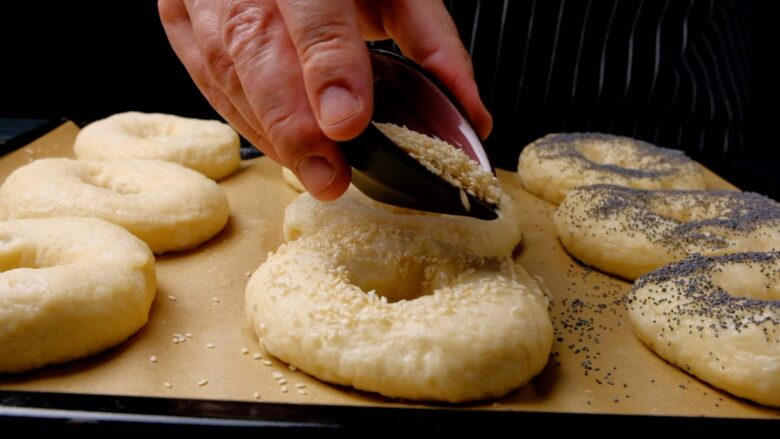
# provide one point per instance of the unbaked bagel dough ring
(553, 165)
(717, 318)
(496, 238)
(630, 232)
(167, 205)
(207, 146)
(394, 311)
(69, 287)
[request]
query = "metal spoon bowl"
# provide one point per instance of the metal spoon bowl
(406, 95)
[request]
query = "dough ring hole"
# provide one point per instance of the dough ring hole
(112, 182)
(751, 281)
(18, 254)
(686, 213)
(604, 154)
(402, 278)
(145, 130)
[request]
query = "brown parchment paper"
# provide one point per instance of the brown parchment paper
(597, 365)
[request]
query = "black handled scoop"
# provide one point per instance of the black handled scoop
(407, 96)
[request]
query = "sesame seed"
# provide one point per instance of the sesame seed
(256, 395)
(210, 345)
(283, 381)
(300, 386)
(244, 351)
(256, 356)
(302, 392)
(172, 297)
(283, 389)
(202, 383)
(167, 384)
(267, 362)
(292, 367)
(277, 375)
(153, 358)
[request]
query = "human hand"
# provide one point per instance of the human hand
(294, 76)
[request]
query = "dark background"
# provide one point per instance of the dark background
(86, 60)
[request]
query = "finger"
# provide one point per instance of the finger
(208, 37)
(335, 64)
(437, 47)
(370, 20)
(266, 63)
(178, 28)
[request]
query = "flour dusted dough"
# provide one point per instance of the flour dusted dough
(207, 146)
(69, 287)
(166, 205)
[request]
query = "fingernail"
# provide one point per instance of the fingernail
(337, 104)
(316, 173)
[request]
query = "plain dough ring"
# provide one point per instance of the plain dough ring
(69, 287)
(207, 146)
(557, 163)
(166, 205)
(630, 232)
(717, 318)
(496, 238)
(393, 311)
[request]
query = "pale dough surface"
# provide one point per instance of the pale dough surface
(69, 287)
(292, 180)
(168, 206)
(207, 146)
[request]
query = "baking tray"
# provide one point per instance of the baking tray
(598, 370)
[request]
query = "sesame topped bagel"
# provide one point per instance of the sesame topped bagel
(390, 310)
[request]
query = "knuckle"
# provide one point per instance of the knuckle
(218, 61)
(291, 136)
(247, 25)
(276, 120)
(222, 69)
(320, 46)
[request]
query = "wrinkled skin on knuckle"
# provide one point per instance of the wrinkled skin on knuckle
(277, 121)
(247, 26)
(322, 45)
(291, 135)
(221, 66)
